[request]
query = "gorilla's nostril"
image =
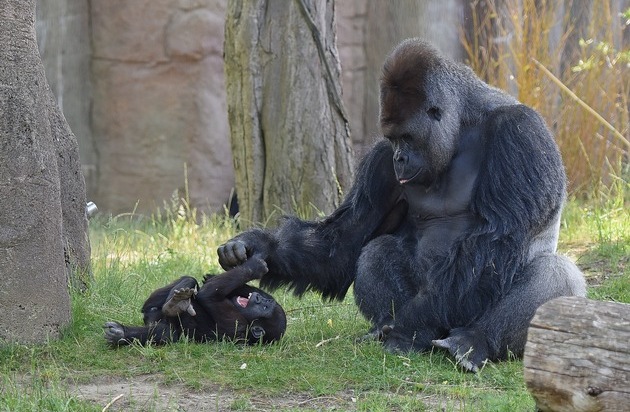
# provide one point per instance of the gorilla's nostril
(399, 157)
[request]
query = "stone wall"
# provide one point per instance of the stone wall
(159, 111)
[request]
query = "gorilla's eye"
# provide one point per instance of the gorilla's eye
(435, 113)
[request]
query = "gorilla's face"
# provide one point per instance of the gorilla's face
(419, 115)
(254, 306)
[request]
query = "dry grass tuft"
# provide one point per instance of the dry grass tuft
(537, 50)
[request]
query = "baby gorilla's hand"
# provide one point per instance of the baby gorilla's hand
(256, 266)
(114, 333)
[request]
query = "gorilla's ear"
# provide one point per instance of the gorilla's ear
(257, 331)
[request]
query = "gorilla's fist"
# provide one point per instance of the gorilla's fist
(237, 250)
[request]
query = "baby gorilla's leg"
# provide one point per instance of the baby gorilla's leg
(180, 302)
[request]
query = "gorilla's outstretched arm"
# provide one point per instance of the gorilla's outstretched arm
(450, 230)
(322, 255)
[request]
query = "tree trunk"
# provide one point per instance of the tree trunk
(289, 131)
(43, 225)
(577, 356)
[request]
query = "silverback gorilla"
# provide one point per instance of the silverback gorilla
(449, 232)
(223, 308)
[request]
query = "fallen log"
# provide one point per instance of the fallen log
(577, 356)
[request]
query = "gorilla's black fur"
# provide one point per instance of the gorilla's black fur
(225, 307)
(450, 230)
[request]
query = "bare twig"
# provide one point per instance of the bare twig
(325, 341)
(112, 402)
(582, 103)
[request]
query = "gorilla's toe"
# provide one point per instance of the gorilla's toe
(398, 344)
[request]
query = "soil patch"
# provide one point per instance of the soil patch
(147, 393)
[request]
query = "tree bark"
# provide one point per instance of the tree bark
(288, 128)
(43, 225)
(577, 356)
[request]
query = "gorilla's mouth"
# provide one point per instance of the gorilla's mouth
(403, 180)
(243, 301)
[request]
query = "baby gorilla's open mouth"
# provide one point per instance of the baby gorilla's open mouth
(243, 301)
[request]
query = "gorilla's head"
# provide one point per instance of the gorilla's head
(420, 111)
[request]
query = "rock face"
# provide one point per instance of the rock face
(159, 115)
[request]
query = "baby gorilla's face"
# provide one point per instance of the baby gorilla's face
(254, 306)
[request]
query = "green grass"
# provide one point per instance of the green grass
(316, 366)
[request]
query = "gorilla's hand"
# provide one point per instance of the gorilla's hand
(237, 250)
(232, 253)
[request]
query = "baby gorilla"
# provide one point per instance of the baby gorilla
(223, 308)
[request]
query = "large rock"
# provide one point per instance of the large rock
(43, 225)
(159, 108)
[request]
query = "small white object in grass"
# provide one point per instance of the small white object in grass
(243, 366)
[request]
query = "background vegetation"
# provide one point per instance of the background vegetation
(569, 71)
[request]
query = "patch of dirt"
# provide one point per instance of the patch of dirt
(147, 393)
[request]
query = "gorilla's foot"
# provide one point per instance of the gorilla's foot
(114, 333)
(377, 333)
(397, 343)
(180, 302)
(467, 346)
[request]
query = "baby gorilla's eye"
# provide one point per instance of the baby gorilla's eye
(435, 113)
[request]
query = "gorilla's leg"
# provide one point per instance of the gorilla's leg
(383, 283)
(153, 308)
(503, 329)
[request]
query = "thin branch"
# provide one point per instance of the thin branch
(582, 103)
(112, 402)
(325, 341)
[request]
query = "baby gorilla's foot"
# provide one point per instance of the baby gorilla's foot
(114, 333)
(180, 303)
